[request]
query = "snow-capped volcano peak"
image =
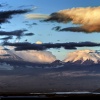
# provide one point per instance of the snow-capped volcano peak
(83, 56)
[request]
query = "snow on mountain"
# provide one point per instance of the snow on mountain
(83, 56)
(30, 55)
(8, 55)
(37, 56)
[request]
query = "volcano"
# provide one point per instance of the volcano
(29, 56)
(83, 57)
(6, 54)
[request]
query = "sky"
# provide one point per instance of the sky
(77, 21)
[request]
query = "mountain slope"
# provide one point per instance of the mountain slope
(36, 56)
(29, 56)
(83, 57)
(6, 54)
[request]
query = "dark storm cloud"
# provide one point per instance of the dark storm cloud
(5, 15)
(45, 46)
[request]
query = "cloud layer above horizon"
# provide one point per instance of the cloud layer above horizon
(44, 46)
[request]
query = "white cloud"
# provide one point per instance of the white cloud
(36, 16)
(36, 56)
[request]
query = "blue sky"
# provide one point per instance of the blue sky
(43, 30)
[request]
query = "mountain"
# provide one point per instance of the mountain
(83, 57)
(36, 56)
(6, 54)
(29, 56)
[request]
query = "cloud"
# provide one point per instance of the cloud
(88, 18)
(31, 47)
(28, 34)
(23, 6)
(36, 56)
(34, 23)
(6, 38)
(25, 46)
(13, 33)
(37, 16)
(57, 28)
(5, 15)
(45, 46)
(18, 44)
(17, 33)
(3, 4)
(75, 29)
(31, 25)
(86, 29)
(30, 55)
